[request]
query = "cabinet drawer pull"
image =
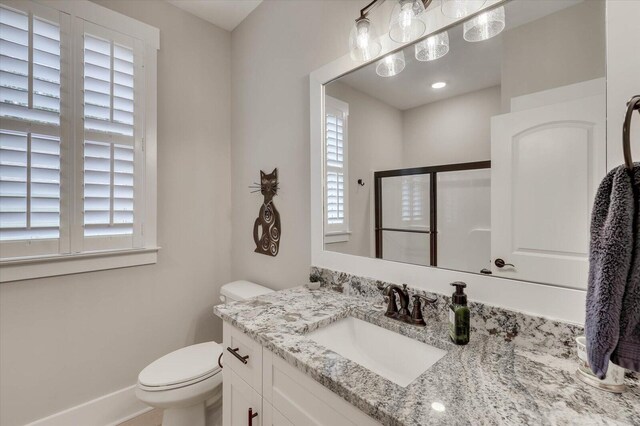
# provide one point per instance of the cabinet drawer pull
(251, 416)
(234, 352)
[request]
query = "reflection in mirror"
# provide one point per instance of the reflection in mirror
(481, 153)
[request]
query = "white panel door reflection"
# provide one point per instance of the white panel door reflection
(546, 166)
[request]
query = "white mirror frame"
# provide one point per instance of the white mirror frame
(549, 301)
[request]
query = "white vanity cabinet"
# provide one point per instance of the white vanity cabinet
(277, 392)
(238, 398)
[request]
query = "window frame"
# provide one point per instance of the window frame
(76, 253)
(337, 233)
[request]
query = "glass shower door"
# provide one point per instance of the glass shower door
(403, 223)
(464, 220)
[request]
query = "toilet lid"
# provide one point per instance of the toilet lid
(183, 365)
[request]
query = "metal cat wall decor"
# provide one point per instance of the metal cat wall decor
(266, 228)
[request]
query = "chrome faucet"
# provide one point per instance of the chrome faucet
(403, 314)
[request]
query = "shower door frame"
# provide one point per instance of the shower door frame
(432, 171)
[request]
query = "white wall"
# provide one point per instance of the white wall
(454, 130)
(69, 339)
(560, 49)
(622, 76)
(374, 143)
(273, 52)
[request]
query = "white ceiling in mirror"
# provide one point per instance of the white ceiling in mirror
(466, 68)
(226, 14)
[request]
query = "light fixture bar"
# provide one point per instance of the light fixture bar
(375, 3)
(368, 8)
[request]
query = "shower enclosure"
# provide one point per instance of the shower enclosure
(435, 216)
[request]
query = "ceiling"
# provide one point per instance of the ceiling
(225, 14)
(466, 68)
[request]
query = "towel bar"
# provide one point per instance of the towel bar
(632, 105)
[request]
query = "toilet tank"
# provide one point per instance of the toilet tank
(241, 290)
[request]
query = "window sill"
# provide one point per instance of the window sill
(24, 268)
(336, 237)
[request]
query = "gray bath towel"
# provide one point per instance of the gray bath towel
(613, 296)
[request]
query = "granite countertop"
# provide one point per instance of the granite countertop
(488, 381)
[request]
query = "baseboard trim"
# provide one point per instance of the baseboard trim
(110, 409)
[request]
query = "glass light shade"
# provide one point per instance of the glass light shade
(391, 65)
(433, 47)
(485, 26)
(405, 25)
(364, 44)
(460, 8)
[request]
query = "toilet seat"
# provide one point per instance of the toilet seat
(180, 368)
(178, 385)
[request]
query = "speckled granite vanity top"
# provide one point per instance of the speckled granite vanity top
(489, 381)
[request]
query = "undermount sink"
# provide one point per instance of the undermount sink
(391, 355)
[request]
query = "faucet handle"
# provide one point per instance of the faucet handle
(416, 314)
(430, 300)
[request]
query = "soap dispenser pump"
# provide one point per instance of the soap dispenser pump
(459, 315)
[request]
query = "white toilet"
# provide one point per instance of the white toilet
(185, 381)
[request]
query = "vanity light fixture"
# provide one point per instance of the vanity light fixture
(433, 47)
(485, 25)
(460, 8)
(405, 25)
(391, 65)
(438, 85)
(364, 44)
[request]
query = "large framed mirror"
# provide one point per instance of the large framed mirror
(476, 149)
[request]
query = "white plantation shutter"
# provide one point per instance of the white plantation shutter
(30, 68)
(336, 212)
(30, 134)
(335, 168)
(30, 186)
(77, 139)
(108, 189)
(413, 207)
(108, 87)
(111, 138)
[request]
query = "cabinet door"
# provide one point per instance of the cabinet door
(244, 346)
(273, 417)
(303, 400)
(240, 400)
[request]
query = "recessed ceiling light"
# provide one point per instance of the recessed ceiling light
(438, 85)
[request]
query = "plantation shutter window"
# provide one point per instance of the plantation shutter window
(77, 139)
(30, 68)
(108, 189)
(111, 76)
(30, 186)
(30, 131)
(413, 188)
(336, 183)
